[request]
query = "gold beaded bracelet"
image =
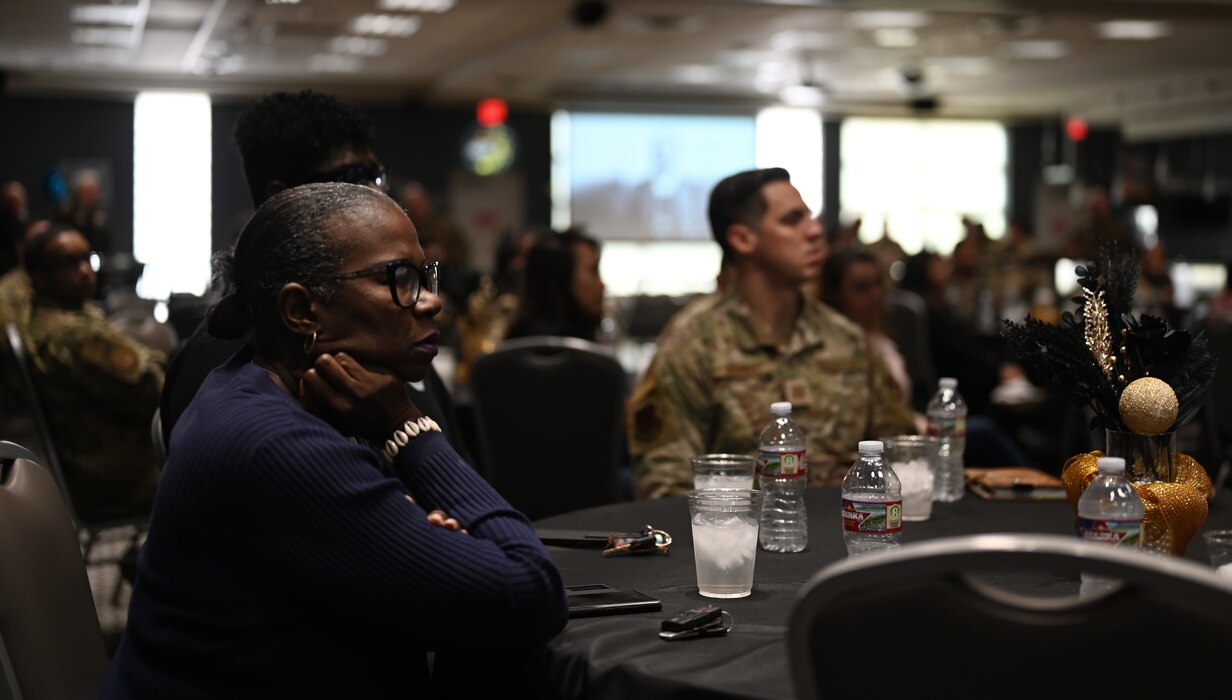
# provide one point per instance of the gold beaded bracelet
(409, 431)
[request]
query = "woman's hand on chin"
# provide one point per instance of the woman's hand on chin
(369, 402)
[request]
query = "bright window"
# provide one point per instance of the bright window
(171, 192)
(918, 178)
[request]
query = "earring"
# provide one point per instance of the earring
(310, 343)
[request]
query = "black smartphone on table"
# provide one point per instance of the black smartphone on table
(598, 599)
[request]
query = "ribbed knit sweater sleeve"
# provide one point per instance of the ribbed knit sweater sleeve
(339, 526)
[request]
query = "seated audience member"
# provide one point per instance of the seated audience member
(978, 361)
(14, 214)
(315, 535)
(287, 139)
(1220, 313)
(852, 282)
(561, 292)
(15, 289)
(99, 386)
(729, 355)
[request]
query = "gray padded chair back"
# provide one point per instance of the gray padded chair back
(51, 644)
(549, 416)
(964, 617)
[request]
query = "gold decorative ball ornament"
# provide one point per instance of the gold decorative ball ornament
(1148, 406)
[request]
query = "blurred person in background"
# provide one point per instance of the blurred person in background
(561, 292)
(99, 386)
(15, 289)
(979, 362)
(84, 211)
(14, 215)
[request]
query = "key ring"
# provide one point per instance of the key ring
(648, 539)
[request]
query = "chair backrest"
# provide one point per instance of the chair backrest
(46, 448)
(51, 644)
(549, 413)
(990, 616)
(906, 322)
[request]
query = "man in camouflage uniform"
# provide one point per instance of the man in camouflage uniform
(98, 386)
(725, 358)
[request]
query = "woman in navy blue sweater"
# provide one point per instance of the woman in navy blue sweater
(313, 535)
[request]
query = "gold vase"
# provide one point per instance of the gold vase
(1175, 507)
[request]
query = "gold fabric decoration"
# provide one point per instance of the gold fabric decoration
(1095, 332)
(1174, 510)
(1148, 406)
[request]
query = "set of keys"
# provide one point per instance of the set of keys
(705, 621)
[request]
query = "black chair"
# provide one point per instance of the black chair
(51, 644)
(131, 528)
(945, 618)
(549, 413)
(906, 322)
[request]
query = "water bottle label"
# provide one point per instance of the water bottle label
(953, 427)
(872, 516)
(1118, 533)
(782, 464)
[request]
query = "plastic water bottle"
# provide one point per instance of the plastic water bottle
(872, 502)
(783, 470)
(1109, 512)
(947, 420)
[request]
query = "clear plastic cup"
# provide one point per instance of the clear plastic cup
(915, 459)
(725, 523)
(723, 471)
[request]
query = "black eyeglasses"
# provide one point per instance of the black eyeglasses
(358, 174)
(405, 279)
(68, 262)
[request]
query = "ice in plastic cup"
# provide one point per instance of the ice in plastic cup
(915, 459)
(725, 523)
(723, 471)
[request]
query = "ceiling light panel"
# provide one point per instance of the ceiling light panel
(359, 46)
(1037, 49)
(102, 36)
(415, 5)
(895, 37)
(1132, 29)
(104, 14)
(880, 19)
(386, 25)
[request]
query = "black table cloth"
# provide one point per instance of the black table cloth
(621, 657)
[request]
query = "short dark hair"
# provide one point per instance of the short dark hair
(737, 199)
(36, 247)
(286, 136)
(288, 239)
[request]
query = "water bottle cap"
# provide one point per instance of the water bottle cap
(874, 447)
(1111, 464)
(780, 408)
(948, 383)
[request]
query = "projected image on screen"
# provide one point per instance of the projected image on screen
(648, 177)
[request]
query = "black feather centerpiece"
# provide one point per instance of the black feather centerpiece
(1095, 353)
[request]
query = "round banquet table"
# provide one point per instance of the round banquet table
(619, 657)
